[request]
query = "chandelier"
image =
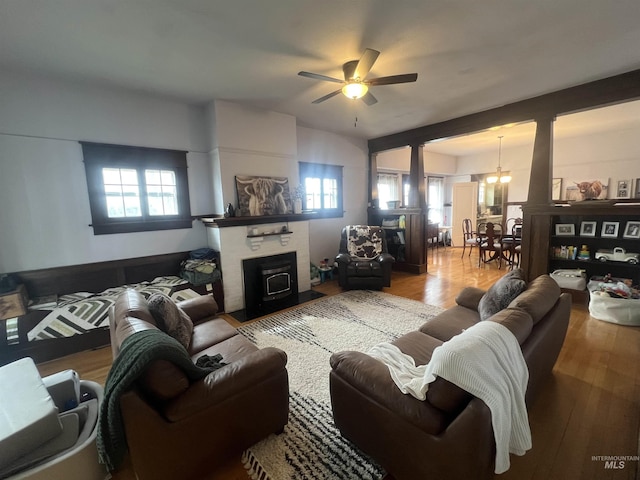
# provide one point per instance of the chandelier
(498, 177)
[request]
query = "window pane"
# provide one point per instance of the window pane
(330, 193)
(154, 199)
(132, 206)
(152, 177)
(168, 177)
(122, 192)
(313, 193)
(111, 176)
(170, 200)
(162, 193)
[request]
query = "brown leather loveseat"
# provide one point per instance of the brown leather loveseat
(177, 428)
(449, 435)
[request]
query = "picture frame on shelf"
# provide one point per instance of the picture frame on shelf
(637, 188)
(632, 230)
(565, 229)
(624, 189)
(556, 189)
(610, 229)
(588, 229)
(586, 190)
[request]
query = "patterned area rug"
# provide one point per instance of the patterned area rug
(311, 447)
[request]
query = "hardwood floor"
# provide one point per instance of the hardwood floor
(588, 408)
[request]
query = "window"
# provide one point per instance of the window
(435, 198)
(388, 190)
(136, 189)
(323, 188)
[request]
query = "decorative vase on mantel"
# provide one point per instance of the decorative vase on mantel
(298, 195)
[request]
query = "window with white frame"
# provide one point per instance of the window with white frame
(322, 185)
(134, 189)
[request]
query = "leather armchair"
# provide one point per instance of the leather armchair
(363, 260)
(176, 428)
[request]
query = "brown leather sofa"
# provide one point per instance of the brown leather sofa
(178, 429)
(449, 435)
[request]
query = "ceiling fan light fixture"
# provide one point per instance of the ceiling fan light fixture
(355, 90)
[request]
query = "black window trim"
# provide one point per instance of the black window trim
(324, 170)
(100, 155)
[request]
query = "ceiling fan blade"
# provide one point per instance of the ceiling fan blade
(327, 97)
(369, 99)
(365, 63)
(390, 80)
(317, 76)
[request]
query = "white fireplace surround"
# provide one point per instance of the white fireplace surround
(237, 243)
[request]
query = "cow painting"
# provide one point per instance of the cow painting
(259, 196)
(587, 190)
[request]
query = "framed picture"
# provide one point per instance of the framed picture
(565, 229)
(556, 188)
(637, 192)
(610, 229)
(586, 190)
(588, 229)
(632, 230)
(624, 189)
(258, 196)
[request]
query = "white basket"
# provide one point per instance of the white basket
(623, 311)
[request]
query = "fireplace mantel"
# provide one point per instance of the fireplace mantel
(234, 238)
(222, 222)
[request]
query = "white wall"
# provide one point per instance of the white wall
(250, 142)
(608, 156)
(399, 159)
(45, 217)
(317, 146)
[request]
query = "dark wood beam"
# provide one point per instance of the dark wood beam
(373, 180)
(542, 163)
(607, 91)
(416, 179)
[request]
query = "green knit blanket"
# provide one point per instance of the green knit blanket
(136, 352)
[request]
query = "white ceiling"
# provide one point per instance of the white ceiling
(469, 55)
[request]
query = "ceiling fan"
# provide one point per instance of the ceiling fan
(354, 83)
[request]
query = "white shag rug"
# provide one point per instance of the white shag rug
(311, 447)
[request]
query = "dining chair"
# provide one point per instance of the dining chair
(469, 236)
(512, 239)
(489, 239)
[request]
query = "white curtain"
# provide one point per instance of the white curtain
(388, 189)
(435, 198)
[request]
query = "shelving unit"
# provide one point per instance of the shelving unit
(411, 255)
(540, 232)
(396, 242)
(594, 243)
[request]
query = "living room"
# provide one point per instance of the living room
(45, 115)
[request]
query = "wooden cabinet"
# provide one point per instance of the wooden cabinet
(543, 240)
(411, 254)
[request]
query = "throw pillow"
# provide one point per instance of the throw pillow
(502, 293)
(170, 318)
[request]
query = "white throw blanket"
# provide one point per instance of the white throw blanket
(486, 361)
